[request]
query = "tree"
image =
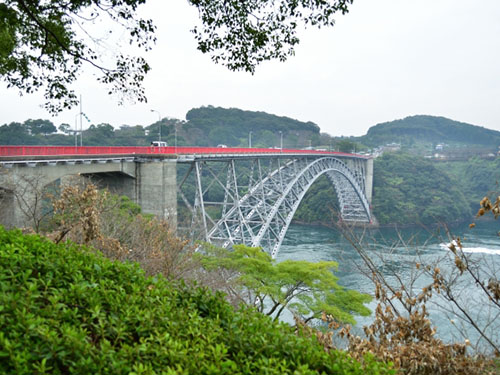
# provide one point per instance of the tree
(345, 145)
(14, 133)
(64, 128)
(40, 126)
(241, 34)
(41, 46)
(45, 43)
(307, 289)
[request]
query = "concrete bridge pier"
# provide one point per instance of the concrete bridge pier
(156, 189)
(151, 183)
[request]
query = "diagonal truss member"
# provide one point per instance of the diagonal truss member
(256, 207)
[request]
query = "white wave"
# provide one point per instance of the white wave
(476, 250)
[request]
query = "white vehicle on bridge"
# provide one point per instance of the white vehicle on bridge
(159, 144)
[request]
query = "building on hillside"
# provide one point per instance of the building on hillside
(391, 147)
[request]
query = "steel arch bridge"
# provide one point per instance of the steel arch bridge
(251, 199)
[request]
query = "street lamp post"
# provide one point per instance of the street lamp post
(159, 126)
(81, 115)
(249, 139)
(281, 140)
(76, 129)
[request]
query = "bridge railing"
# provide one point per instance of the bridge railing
(128, 150)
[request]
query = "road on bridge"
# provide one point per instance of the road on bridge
(40, 151)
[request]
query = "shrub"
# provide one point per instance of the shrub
(67, 310)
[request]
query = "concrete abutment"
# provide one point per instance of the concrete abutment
(151, 183)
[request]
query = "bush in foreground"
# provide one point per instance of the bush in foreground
(67, 310)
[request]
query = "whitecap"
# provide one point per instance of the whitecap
(475, 250)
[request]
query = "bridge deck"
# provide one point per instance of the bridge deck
(42, 152)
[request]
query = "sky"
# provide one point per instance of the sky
(384, 60)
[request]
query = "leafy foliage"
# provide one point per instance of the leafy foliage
(345, 145)
(41, 47)
(66, 309)
(44, 44)
(476, 177)
(410, 190)
(241, 34)
(306, 289)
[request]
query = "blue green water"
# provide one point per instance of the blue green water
(395, 253)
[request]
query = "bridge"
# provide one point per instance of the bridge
(221, 195)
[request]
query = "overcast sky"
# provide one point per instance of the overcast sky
(384, 60)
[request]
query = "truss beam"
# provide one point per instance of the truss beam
(259, 203)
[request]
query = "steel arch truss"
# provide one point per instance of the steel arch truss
(259, 203)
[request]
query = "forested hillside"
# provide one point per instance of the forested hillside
(233, 126)
(412, 190)
(407, 190)
(206, 126)
(475, 177)
(431, 129)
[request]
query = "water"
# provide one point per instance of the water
(395, 253)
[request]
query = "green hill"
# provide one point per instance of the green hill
(430, 129)
(411, 190)
(208, 126)
(205, 126)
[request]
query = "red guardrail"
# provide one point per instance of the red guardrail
(130, 150)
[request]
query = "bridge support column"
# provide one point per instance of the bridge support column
(156, 189)
(369, 180)
(22, 202)
(8, 212)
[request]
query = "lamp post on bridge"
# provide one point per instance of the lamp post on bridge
(159, 121)
(250, 139)
(81, 115)
(76, 129)
(281, 140)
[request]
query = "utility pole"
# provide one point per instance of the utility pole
(81, 123)
(76, 130)
(82, 115)
(159, 126)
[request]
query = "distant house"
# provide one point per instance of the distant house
(391, 147)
